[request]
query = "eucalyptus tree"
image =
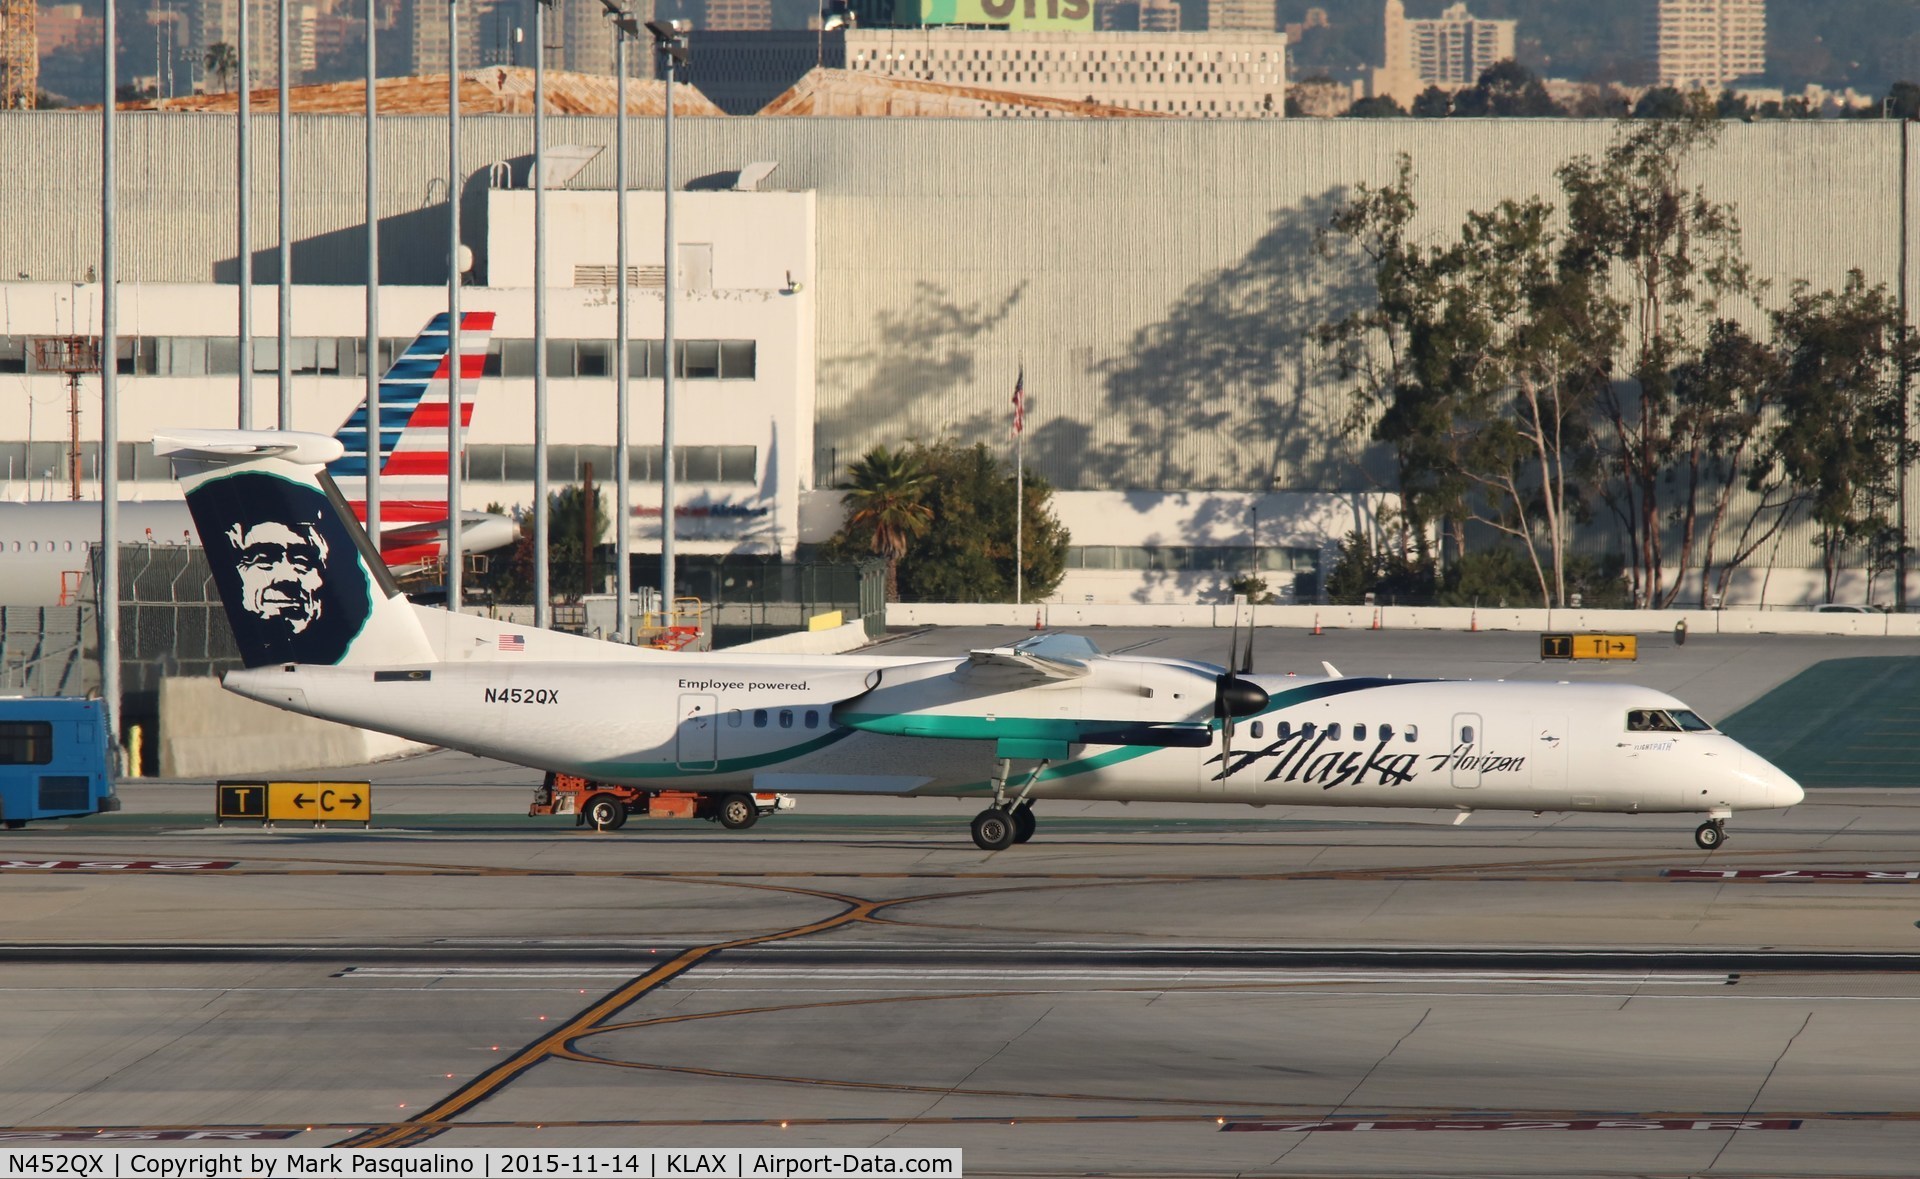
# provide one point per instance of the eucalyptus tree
(1636, 226)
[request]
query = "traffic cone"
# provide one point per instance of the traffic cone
(1376, 618)
(1473, 621)
(1316, 622)
(1036, 620)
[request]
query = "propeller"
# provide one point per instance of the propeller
(1233, 696)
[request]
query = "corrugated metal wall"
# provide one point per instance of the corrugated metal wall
(1157, 279)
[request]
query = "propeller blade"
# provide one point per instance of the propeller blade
(1246, 660)
(1233, 644)
(1226, 746)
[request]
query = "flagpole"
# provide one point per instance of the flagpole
(1019, 484)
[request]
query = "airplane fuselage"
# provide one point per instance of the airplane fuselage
(720, 723)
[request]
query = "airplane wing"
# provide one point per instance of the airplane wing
(1004, 669)
(1042, 659)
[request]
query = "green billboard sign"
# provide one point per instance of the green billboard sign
(1019, 14)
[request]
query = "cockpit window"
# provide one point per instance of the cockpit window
(1689, 720)
(1653, 720)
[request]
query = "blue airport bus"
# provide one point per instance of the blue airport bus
(53, 760)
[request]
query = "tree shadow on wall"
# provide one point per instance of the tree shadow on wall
(927, 357)
(1236, 353)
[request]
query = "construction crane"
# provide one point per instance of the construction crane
(19, 54)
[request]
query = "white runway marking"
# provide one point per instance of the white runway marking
(1112, 975)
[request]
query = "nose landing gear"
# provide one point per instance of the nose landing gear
(1711, 834)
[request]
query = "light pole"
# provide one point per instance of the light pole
(670, 38)
(246, 225)
(455, 360)
(541, 592)
(108, 603)
(624, 28)
(285, 418)
(373, 436)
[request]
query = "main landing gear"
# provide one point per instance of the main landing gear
(1710, 834)
(996, 829)
(1004, 824)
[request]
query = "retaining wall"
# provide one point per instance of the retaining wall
(1699, 622)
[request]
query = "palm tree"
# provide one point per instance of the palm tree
(884, 491)
(221, 61)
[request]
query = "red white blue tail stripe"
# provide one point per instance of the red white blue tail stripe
(413, 438)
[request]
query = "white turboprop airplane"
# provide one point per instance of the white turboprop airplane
(44, 545)
(324, 632)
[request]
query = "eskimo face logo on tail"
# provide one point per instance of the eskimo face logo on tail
(285, 566)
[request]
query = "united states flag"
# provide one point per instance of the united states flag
(1020, 401)
(513, 642)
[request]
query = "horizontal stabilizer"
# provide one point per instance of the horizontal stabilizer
(225, 447)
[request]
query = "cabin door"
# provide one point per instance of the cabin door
(697, 746)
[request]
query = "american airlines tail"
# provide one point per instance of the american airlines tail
(412, 443)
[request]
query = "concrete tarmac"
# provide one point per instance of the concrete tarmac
(1141, 991)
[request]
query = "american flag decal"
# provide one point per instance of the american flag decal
(513, 642)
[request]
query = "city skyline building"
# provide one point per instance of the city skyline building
(738, 15)
(213, 22)
(1449, 51)
(1706, 43)
(1240, 16)
(1219, 75)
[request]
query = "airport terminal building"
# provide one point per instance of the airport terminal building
(1157, 281)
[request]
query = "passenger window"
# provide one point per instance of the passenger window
(1412, 734)
(1333, 732)
(786, 718)
(813, 719)
(1306, 730)
(1282, 730)
(759, 718)
(26, 743)
(733, 718)
(1386, 732)
(1257, 732)
(1359, 732)
(1466, 734)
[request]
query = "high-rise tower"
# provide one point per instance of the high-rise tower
(1706, 43)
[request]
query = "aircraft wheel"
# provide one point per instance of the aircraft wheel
(604, 812)
(993, 829)
(1023, 824)
(738, 812)
(1710, 835)
(15, 824)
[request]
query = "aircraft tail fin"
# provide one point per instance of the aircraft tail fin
(411, 438)
(299, 578)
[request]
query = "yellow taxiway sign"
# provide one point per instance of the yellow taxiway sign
(1590, 646)
(315, 802)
